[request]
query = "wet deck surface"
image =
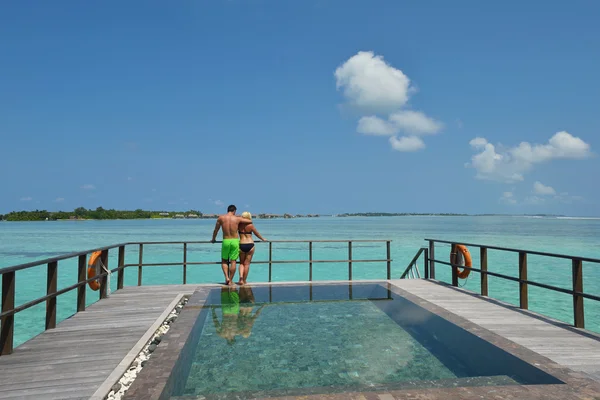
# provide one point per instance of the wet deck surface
(77, 360)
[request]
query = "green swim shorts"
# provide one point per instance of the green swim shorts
(230, 249)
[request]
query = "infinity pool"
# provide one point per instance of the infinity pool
(267, 341)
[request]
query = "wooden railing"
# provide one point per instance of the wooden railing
(8, 308)
(576, 276)
(412, 270)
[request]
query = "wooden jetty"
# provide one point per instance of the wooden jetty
(83, 356)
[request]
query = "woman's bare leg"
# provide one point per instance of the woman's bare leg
(247, 262)
(242, 269)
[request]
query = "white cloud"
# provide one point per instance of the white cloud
(26, 198)
(219, 203)
(534, 200)
(509, 164)
(370, 83)
(88, 186)
(407, 121)
(373, 125)
(508, 198)
(373, 86)
(407, 143)
(59, 199)
(543, 190)
(415, 122)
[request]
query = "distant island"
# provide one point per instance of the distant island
(100, 213)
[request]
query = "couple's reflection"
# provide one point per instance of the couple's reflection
(237, 310)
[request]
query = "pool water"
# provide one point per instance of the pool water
(298, 340)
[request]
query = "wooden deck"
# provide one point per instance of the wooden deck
(85, 355)
(75, 359)
(573, 348)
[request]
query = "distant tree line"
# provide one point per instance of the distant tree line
(98, 213)
(383, 214)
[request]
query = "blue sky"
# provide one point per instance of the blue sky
(324, 106)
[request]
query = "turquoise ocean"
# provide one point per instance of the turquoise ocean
(22, 242)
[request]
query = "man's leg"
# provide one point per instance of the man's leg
(232, 271)
(234, 253)
(225, 260)
(225, 267)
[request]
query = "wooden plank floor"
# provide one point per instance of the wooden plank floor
(576, 349)
(74, 359)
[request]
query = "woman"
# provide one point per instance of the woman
(247, 246)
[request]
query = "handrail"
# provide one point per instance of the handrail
(58, 258)
(532, 252)
(413, 262)
(576, 273)
(8, 308)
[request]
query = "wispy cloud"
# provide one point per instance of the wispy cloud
(541, 189)
(88, 186)
(508, 198)
(26, 198)
(59, 199)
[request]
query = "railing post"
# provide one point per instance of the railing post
(453, 259)
(578, 314)
(81, 277)
(310, 263)
(121, 271)
(484, 266)
(350, 261)
(389, 258)
(431, 259)
(184, 263)
(425, 262)
(51, 284)
(104, 279)
(270, 259)
(523, 297)
(7, 324)
(140, 261)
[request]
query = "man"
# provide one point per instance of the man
(230, 248)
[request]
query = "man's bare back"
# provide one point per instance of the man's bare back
(229, 223)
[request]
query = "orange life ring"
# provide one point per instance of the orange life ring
(93, 268)
(468, 262)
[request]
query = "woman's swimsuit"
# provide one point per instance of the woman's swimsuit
(246, 247)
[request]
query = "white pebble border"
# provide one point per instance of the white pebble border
(118, 390)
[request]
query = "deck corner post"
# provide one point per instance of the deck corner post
(483, 260)
(310, 264)
(7, 322)
(426, 262)
(431, 259)
(578, 311)
(140, 262)
(81, 278)
(523, 295)
(350, 261)
(184, 263)
(389, 259)
(121, 271)
(270, 260)
(51, 285)
(104, 279)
